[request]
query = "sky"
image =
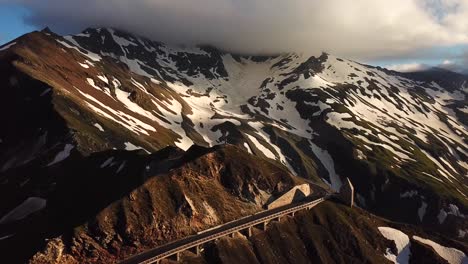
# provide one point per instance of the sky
(403, 35)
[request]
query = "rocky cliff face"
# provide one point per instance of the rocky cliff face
(70, 104)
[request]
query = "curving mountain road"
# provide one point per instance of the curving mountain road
(173, 248)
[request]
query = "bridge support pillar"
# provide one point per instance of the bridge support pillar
(178, 256)
(279, 219)
(247, 232)
(265, 225)
(198, 250)
(293, 213)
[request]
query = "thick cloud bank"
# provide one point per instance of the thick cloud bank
(364, 29)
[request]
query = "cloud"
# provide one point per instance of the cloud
(408, 67)
(363, 29)
(459, 64)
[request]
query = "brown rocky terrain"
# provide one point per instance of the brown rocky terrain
(143, 205)
(329, 233)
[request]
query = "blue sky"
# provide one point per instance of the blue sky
(12, 24)
(263, 26)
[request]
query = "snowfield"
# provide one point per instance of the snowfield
(402, 244)
(291, 108)
(452, 255)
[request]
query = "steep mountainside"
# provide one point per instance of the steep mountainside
(113, 204)
(401, 139)
(333, 233)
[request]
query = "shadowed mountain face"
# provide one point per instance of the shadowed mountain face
(110, 205)
(74, 108)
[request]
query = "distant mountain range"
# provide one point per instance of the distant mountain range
(108, 137)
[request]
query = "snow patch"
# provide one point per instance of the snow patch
(246, 145)
(98, 126)
(87, 53)
(131, 123)
(62, 155)
(86, 66)
(46, 91)
(7, 46)
(441, 216)
(422, 211)
(121, 166)
(260, 147)
(409, 194)
(103, 78)
(129, 146)
(327, 161)
(452, 255)
(107, 162)
(402, 243)
(29, 206)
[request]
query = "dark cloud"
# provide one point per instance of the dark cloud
(364, 29)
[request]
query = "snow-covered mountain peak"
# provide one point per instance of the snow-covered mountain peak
(323, 117)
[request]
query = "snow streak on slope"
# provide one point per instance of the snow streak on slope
(402, 244)
(452, 255)
(207, 97)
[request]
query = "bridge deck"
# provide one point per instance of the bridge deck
(177, 246)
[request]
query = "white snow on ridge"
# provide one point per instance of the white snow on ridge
(98, 126)
(390, 110)
(442, 170)
(62, 155)
(91, 82)
(107, 162)
(129, 146)
(103, 78)
(246, 145)
(452, 210)
(131, 123)
(119, 40)
(464, 109)
(7, 46)
(5, 237)
(86, 66)
(89, 54)
(46, 91)
(172, 111)
(452, 255)
(409, 194)
(123, 97)
(328, 163)
(422, 211)
(29, 206)
(260, 147)
(441, 216)
(402, 243)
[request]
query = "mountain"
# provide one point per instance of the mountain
(78, 111)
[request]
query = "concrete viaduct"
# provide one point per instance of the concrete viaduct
(244, 225)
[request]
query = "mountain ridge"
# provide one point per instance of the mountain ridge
(401, 139)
